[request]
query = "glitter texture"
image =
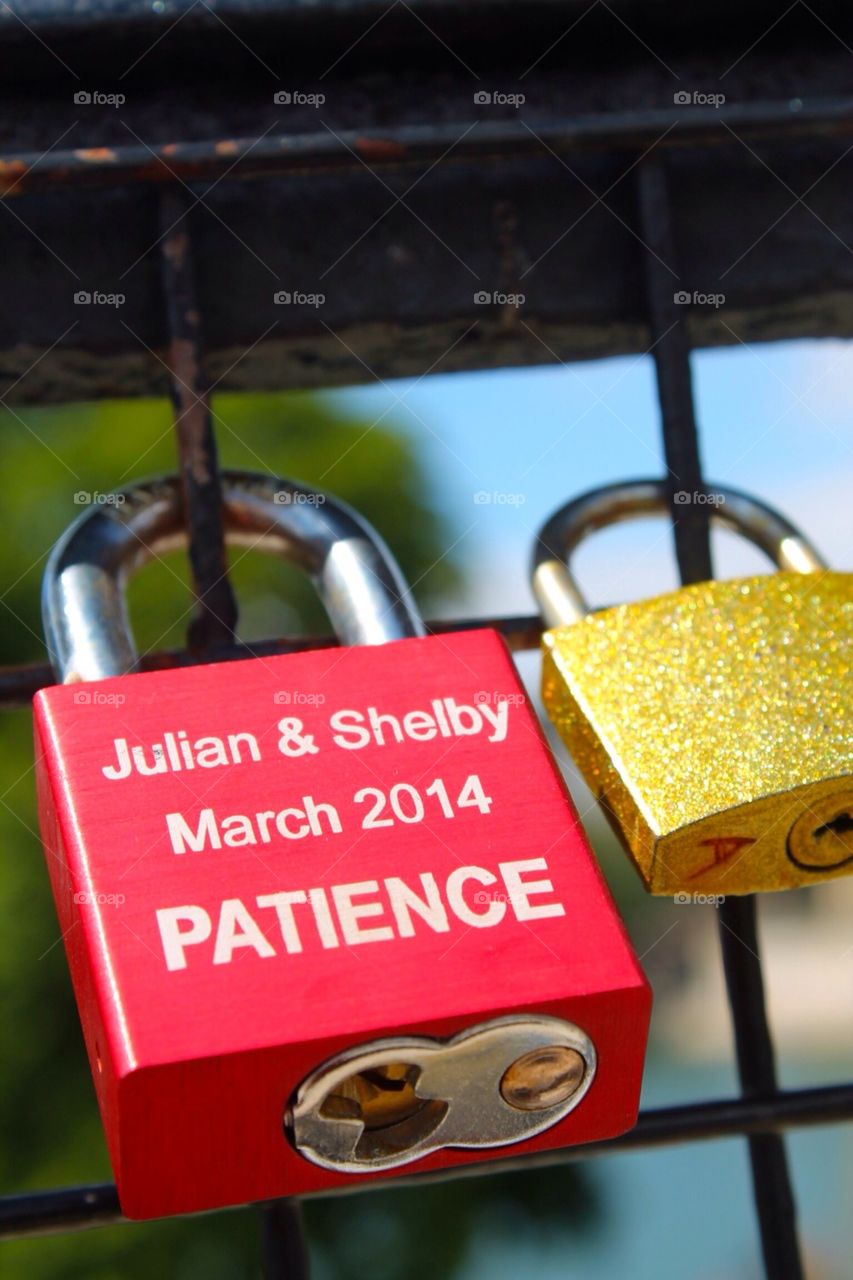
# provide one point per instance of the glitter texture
(714, 724)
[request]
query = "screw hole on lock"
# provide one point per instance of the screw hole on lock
(543, 1078)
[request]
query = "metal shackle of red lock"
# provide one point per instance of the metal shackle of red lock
(711, 721)
(311, 947)
(84, 611)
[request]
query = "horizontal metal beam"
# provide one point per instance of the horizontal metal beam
(80, 1208)
(386, 280)
(398, 148)
(417, 24)
(401, 200)
(19, 683)
(471, 22)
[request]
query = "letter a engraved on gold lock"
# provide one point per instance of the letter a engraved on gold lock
(713, 723)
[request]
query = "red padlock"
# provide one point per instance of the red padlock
(326, 914)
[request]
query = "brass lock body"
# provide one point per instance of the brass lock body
(712, 723)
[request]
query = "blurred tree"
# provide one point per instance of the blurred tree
(434, 1230)
(54, 461)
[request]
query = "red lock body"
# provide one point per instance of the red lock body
(195, 1064)
(261, 865)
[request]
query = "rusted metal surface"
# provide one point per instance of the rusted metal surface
(417, 145)
(215, 615)
(359, 198)
(396, 299)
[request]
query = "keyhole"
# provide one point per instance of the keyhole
(822, 838)
(832, 839)
(384, 1098)
(840, 826)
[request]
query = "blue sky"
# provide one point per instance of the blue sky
(775, 419)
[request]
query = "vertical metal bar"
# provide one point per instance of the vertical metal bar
(671, 351)
(737, 916)
(283, 1249)
(215, 616)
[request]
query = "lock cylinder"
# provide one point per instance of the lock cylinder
(394, 1101)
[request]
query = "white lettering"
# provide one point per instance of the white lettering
(234, 740)
(175, 939)
(238, 929)
(342, 913)
(495, 910)
(238, 830)
(340, 721)
(183, 837)
(519, 892)
(284, 904)
(315, 812)
(419, 725)
(122, 767)
(497, 719)
(405, 900)
(284, 830)
(210, 753)
(349, 914)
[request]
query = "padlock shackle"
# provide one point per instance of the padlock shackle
(559, 597)
(84, 612)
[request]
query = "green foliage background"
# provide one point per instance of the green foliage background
(50, 1126)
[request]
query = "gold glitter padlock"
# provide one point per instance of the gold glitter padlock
(712, 723)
